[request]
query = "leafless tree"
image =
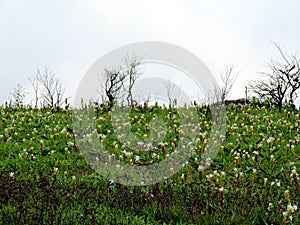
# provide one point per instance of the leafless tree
(282, 82)
(120, 81)
(218, 94)
(173, 93)
(114, 81)
(132, 71)
(228, 78)
(52, 91)
(18, 95)
(35, 85)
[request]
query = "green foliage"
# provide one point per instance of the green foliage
(45, 179)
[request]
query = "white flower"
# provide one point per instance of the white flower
(137, 158)
(270, 206)
(11, 175)
(290, 208)
(270, 139)
(278, 183)
(207, 161)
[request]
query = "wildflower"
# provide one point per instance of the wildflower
(260, 146)
(270, 140)
(41, 144)
(154, 155)
(172, 170)
(255, 155)
(235, 172)
(278, 184)
(12, 175)
(272, 159)
(222, 174)
(216, 173)
(261, 136)
(221, 190)
(241, 175)
(265, 182)
(73, 178)
(140, 145)
(55, 169)
(289, 212)
(286, 195)
(294, 175)
(207, 161)
(208, 177)
(70, 144)
(145, 136)
(270, 206)
(239, 138)
(222, 138)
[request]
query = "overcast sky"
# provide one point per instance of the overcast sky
(69, 36)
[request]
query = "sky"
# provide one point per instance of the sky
(69, 36)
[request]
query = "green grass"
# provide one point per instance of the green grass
(45, 179)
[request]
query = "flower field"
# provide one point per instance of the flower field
(46, 179)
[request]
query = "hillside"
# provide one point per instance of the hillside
(45, 178)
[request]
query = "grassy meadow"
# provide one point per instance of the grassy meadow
(45, 178)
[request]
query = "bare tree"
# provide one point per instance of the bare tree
(132, 72)
(228, 78)
(35, 85)
(291, 72)
(114, 81)
(282, 81)
(121, 80)
(18, 95)
(173, 93)
(52, 91)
